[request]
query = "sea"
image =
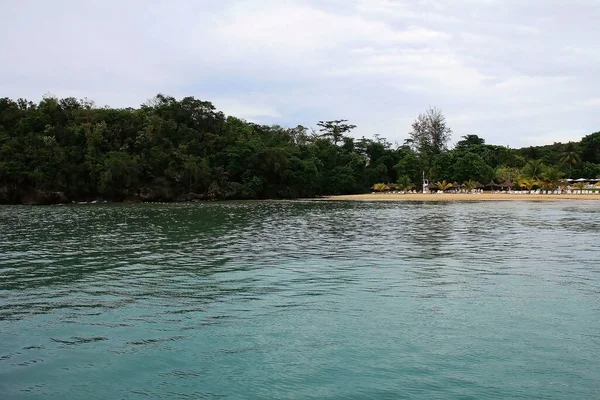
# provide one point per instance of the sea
(301, 300)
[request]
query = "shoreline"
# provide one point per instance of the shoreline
(365, 197)
(461, 197)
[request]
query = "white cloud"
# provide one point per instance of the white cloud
(509, 71)
(249, 111)
(594, 102)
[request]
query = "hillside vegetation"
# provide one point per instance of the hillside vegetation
(61, 150)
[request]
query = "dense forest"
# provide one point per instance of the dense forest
(62, 150)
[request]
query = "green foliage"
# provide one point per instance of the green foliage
(552, 177)
(380, 187)
(585, 170)
(404, 183)
(590, 148)
(408, 164)
(471, 166)
(534, 169)
(169, 149)
(510, 174)
(528, 183)
(570, 155)
(442, 167)
(470, 141)
(470, 185)
(443, 185)
(172, 149)
(335, 129)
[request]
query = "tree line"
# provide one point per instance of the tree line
(173, 150)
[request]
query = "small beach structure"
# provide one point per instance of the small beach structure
(492, 185)
(507, 185)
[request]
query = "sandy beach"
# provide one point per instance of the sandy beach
(463, 197)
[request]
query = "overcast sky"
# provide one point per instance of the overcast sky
(516, 72)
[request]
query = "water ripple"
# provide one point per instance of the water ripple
(300, 300)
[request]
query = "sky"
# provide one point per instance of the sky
(515, 72)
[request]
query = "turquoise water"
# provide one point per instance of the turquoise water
(300, 300)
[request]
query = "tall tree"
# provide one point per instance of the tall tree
(335, 129)
(430, 135)
(470, 141)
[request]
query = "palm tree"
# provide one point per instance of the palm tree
(533, 169)
(380, 187)
(470, 185)
(569, 155)
(552, 178)
(528, 183)
(580, 185)
(443, 185)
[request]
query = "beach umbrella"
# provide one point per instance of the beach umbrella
(492, 185)
(507, 184)
(478, 185)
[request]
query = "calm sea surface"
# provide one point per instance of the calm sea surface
(301, 300)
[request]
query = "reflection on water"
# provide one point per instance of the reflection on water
(300, 300)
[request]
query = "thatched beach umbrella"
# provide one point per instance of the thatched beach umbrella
(478, 185)
(507, 184)
(492, 185)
